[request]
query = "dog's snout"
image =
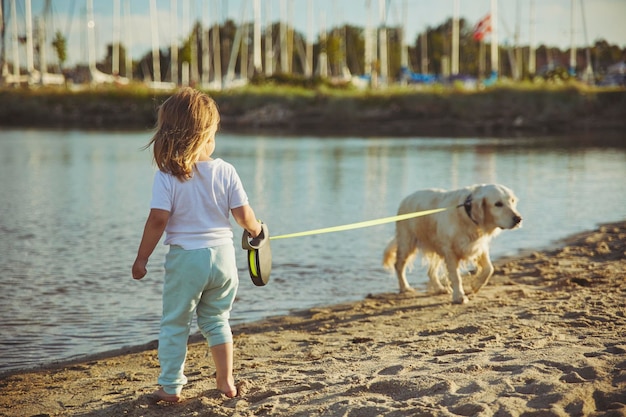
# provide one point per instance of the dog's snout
(517, 219)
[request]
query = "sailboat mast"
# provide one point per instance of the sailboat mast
(156, 64)
(217, 52)
(3, 63)
(322, 61)
(115, 59)
(404, 53)
(173, 43)
(194, 43)
(384, 70)
(206, 38)
(290, 36)
(494, 39)
(232, 63)
(91, 42)
(572, 52)
(243, 59)
(257, 38)
(283, 37)
(14, 42)
(43, 58)
(455, 39)
(185, 70)
(269, 47)
(127, 32)
(532, 66)
(517, 73)
(367, 70)
(588, 67)
(308, 70)
(30, 65)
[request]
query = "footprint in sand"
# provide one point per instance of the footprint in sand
(392, 370)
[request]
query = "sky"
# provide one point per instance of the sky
(604, 19)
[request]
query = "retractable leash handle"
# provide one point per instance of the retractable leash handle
(255, 242)
(259, 255)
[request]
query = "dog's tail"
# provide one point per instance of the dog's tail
(389, 256)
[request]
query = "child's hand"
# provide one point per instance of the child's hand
(139, 268)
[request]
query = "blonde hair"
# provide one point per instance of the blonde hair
(185, 122)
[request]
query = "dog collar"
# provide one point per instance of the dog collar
(467, 205)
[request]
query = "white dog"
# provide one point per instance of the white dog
(453, 237)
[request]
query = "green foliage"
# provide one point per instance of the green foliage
(59, 43)
(294, 80)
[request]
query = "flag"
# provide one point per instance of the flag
(482, 28)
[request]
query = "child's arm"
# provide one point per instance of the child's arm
(152, 232)
(244, 216)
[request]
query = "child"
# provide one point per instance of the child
(192, 196)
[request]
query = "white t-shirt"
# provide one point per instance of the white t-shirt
(199, 207)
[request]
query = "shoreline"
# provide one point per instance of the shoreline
(546, 335)
(503, 111)
(197, 336)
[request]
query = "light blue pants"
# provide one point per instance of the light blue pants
(203, 281)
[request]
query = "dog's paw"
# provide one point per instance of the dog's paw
(476, 288)
(407, 290)
(440, 289)
(460, 300)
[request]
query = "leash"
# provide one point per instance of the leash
(359, 225)
(260, 252)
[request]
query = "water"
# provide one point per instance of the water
(74, 204)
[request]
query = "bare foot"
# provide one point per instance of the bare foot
(161, 395)
(227, 388)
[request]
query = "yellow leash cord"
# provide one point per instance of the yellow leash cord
(359, 225)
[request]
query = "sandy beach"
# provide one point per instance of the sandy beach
(546, 337)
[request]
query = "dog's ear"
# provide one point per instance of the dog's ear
(478, 209)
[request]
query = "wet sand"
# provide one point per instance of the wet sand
(546, 337)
